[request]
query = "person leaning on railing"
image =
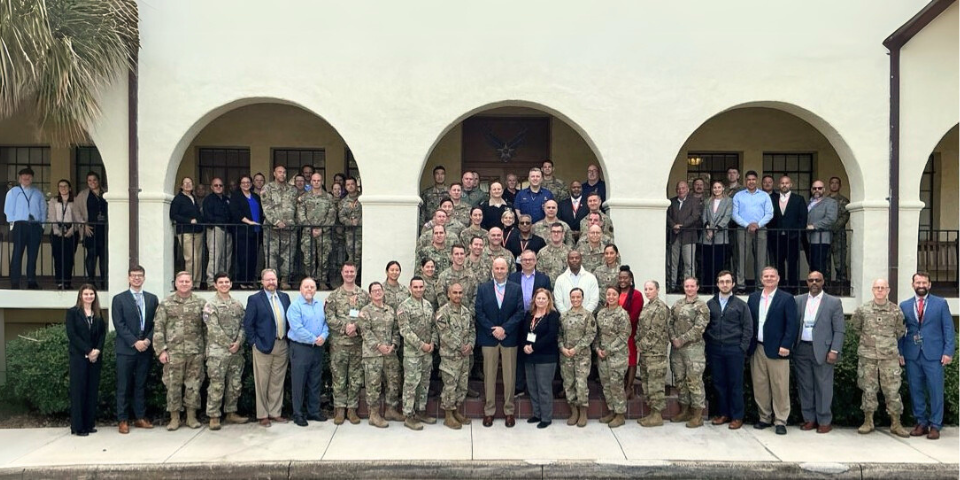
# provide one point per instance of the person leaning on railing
(246, 209)
(25, 209)
(216, 214)
(715, 236)
(91, 210)
(61, 214)
(185, 213)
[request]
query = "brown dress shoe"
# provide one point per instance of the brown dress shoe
(808, 426)
(142, 423)
(824, 428)
(488, 420)
(511, 421)
(719, 420)
(735, 425)
(124, 427)
(279, 419)
(918, 431)
(265, 422)
(934, 434)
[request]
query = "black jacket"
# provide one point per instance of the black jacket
(513, 243)
(565, 212)
(126, 321)
(182, 210)
(545, 349)
(732, 326)
(83, 339)
(240, 209)
(216, 209)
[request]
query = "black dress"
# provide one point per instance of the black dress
(84, 334)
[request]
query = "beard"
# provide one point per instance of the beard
(920, 291)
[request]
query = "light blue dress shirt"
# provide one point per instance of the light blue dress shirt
(23, 202)
(753, 207)
(307, 321)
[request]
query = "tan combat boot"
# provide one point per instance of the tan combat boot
(235, 419)
(412, 423)
(460, 417)
(375, 419)
(174, 421)
(896, 427)
(684, 414)
(867, 426)
(696, 418)
(574, 415)
(214, 423)
(582, 421)
(652, 420)
(339, 415)
(617, 421)
(450, 421)
(192, 421)
(423, 418)
(393, 415)
(608, 417)
(352, 416)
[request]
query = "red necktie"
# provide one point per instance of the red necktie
(920, 310)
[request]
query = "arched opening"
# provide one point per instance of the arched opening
(772, 142)
(939, 232)
(302, 231)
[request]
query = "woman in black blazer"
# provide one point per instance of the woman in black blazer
(246, 209)
(540, 354)
(86, 332)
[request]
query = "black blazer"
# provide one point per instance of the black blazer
(795, 217)
(182, 210)
(490, 315)
(83, 339)
(513, 243)
(781, 327)
(258, 320)
(545, 349)
(240, 209)
(540, 280)
(126, 321)
(565, 212)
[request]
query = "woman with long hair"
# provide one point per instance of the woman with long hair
(632, 301)
(428, 271)
(61, 213)
(715, 237)
(246, 209)
(86, 332)
(538, 338)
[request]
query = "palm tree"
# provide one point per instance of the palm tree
(57, 55)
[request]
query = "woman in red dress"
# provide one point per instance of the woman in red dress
(632, 301)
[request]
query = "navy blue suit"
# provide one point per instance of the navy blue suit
(781, 326)
(259, 322)
(132, 366)
(490, 315)
(922, 349)
(540, 280)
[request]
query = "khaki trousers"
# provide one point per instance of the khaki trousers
(492, 356)
(269, 373)
(192, 245)
(771, 385)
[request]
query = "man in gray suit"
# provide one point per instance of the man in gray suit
(817, 351)
(822, 212)
(683, 223)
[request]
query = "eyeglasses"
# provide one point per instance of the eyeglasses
(525, 223)
(814, 280)
(817, 188)
(215, 185)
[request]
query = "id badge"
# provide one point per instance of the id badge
(532, 337)
(354, 313)
(918, 339)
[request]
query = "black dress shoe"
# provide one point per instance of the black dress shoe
(300, 421)
(488, 420)
(533, 420)
(82, 434)
(761, 425)
(543, 424)
(781, 429)
(317, 418)
(33, 286)
(92, 430)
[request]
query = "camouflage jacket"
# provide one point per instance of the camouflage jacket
(474, 197)
(557, 188)
(489, 256)
(415, 319)
(455, 328)
(378, 326)
(316, 209)
(613, 331)
(688, 321)
(440, 257)
(879, 327)
(607, 276)
(393, 296)
(462, 212)
(653, 338)
(843, 215)
(279, 204)
(578, 329)
(480, 272)
(468, 234)
(431, 199)
(465, 277)
(430, 291)
(350, 211)
(592, 256)
(337, 309)
(224, 322)
(542, 230)
(552, 261)
(178, 326)
(607, 225)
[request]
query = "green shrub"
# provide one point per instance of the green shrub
(37, 370)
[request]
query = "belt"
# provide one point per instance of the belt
(759, 342)
(807, 341)
(306, 344)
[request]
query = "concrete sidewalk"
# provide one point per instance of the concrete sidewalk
(27, 452)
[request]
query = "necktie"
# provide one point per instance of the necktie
(278, 314)
(499, 291)
(140, 310)
(920, 310)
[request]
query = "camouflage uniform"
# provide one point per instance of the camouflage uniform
(607, 276)
(224, 322)
(477, 267)
(592, 256)
(350, 213)
(431, 201)
(378, 326)
(613, 337)
(178, 330)
(552, 261)
(415, 319)
(462, 212)
(688, 320)
(556, 187)
(838, 244)
(879, 327)
(474, 197)
(607, 225)
(316, 209)
(426, 236)
(346, 352)
(431, 292)
(489, 256)
(604, 239)
(466, 278)
(578, 328)
(653, 341)
(731, 191)
(455, 328)
(440, 257)
(542, 230)
(394, 295)
(468, 234)
(280, 205)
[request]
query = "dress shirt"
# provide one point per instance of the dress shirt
(723, 301)
(567, 281)
(810, 316)
(21, 203)
(753, 207)
(765, 301)
(499, 290)
(307, 321)
(813, 203)
(916, 306)
(526, 284)
(531, 203)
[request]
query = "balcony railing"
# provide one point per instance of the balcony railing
(713, 251)
(243, 250)
(937, 253)
(67, 255)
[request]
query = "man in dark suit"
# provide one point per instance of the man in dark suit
(265, 323)
(775, 323)
(132, 312)
(816, 352)
(925, 350)
(574, 209)
(728, 337)
(683, 223)
(499, 308)
(789, 219)
(529, 280)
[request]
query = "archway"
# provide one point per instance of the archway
(938, 238)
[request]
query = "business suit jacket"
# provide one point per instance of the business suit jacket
(240, 209)
(82, 339)
(540, 280)
(687, 215)
(490, 315)
(565, 212)
(259, 323)
(828, 326)
(936, 330)
(718, 222)
(126, 320)
(781, 326)
(822, 216)
(794, 218)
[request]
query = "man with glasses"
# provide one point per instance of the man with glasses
(553, 257)
(821, 215)
(838, 243)
(816, 352)
(594, 184)
(542, 228)
(216, 214)
(525, 237)
(132, 312)
(265, 324)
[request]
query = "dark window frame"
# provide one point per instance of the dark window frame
(217, 162)
(11, 163)
(791, 164)
(928, 214)
(713, 166)
(86, 159)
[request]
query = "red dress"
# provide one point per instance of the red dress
(633, 309)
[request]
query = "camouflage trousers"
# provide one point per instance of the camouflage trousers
(346, 371)
(872, 375)
(688, 364)
(455, 373)
(316, 254)
(612, 370)
(354, 245)
(838, 251)
(183, 375)
(653, 377)
(574, 372)
(279, 254)
(224, 373)
(376, 372)
(416, 382)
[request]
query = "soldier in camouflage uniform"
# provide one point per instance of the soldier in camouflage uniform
(838, 245)
(454, 226)
(223, 317)
(578, 328)
(456, 331)
(653, 341)
(350, 213)
(394, 292)
(471, 189)
(688, 320)
(342, 310)
(594, 203)
(592, 251)
(474, 230)
(474, 261)
(457, 273)
(542, 228)
(381, 339)
(415, 319)
(178, 338)
(495, 250)
(438, 251)
(879, 324)
(461, 209)
(318, 210)
(552, 259)
(556, 186)
(608, 273)
(432, 195)
(426, 233)
(612, 348)
(279, 219)
(594, 219)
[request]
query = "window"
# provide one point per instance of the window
(798, 166)
(226, 163)
(927, 186)
(711, 166)
(13, 159)
(86, 160)
(295, 158)
(351, 165)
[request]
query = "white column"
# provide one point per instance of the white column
(641, 235)
(118, 243)
(389, 233)
(909, 234)
(156, 242)
(868, 242)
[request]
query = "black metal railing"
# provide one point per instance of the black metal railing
(242, 251)
(800, 250)
(937, 254)
(52, 255)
